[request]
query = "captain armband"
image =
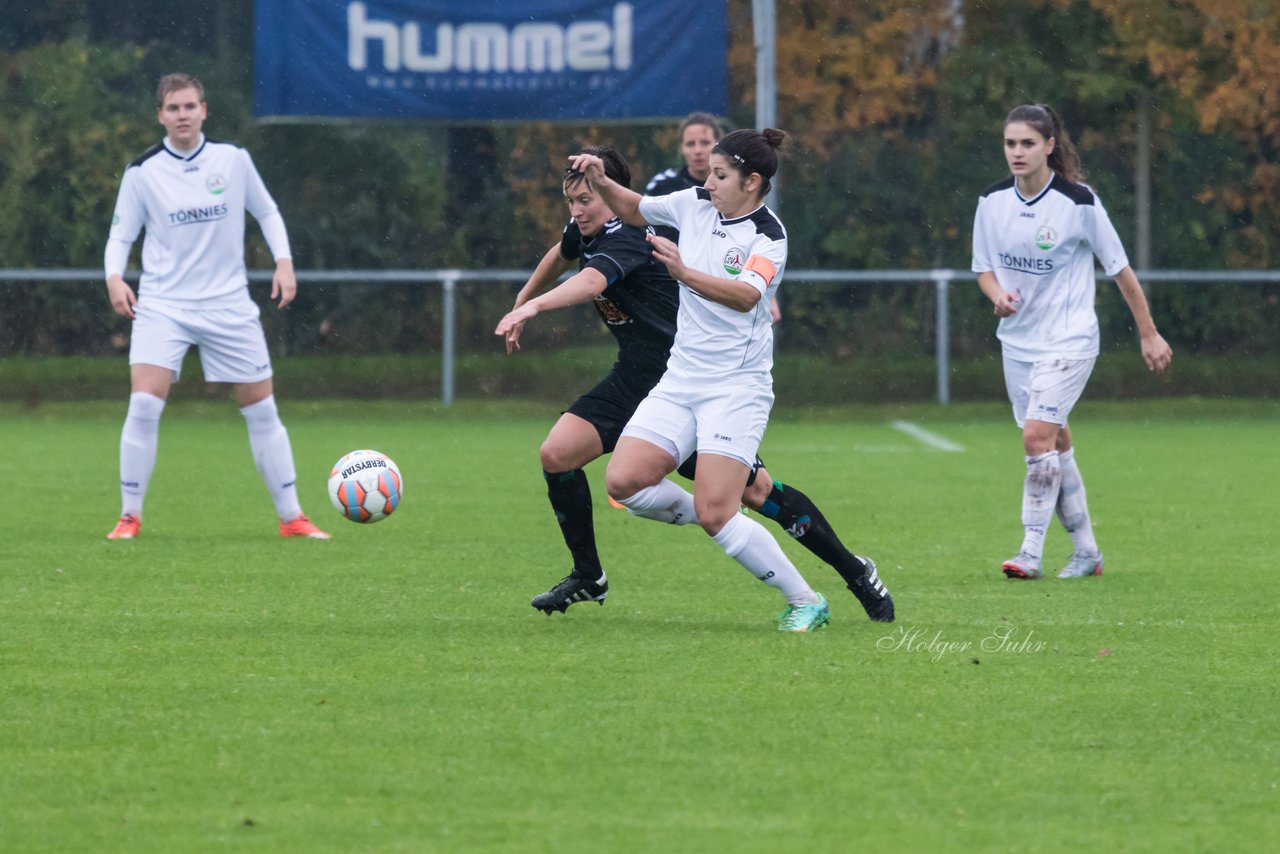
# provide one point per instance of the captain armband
(762, 267)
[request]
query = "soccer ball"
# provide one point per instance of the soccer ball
(365, 486)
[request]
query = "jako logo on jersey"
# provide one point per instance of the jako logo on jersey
(1031, 265)
(216, 184)
(535, 46)
(1046, 237)
(733, 261)
(190, 216)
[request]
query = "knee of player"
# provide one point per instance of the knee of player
(1039, 438)
(714, 515)
(621, 483)
(554, 458)
(757, 491)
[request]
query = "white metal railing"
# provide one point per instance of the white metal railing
(449, 279)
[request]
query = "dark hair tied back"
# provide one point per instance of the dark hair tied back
(1065, 159)
(754, 151)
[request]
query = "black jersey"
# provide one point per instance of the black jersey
(665, 183)
(641, 300)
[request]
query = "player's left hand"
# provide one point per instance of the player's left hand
(666, 252)
(512, 324)
(284, 284)
(1156, 352)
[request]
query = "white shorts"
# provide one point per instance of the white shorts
(1045, 391)
(728, 421)
(233, 347)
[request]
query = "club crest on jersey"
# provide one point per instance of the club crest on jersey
(216, 184)
(733, 261)
(1046, 237)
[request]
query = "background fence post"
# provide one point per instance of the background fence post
(447, 345)
(942, 285)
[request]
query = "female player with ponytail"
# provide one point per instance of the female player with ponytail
(716, 393)
(1035, 235)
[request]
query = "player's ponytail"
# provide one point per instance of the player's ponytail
(754, 151)
(1064, 159)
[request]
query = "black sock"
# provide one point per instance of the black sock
(802, 519)
(570, 497)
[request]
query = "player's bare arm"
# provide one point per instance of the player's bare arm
(732, 293)
(121, 296)
(1005, 302)
(579, 289)
(1156, 352)
(552, 266)
(284, 283)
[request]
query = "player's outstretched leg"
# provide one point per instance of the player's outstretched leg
(751, 545)
(570, 495)
(801, 518)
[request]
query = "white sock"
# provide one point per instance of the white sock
(747, 542)
(665, 501)
(273, 456)
(138, 442)
(1072, 509)
(1039, 495)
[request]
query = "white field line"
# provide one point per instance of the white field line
(933, 440)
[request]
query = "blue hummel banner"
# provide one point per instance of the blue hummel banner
(490, 60)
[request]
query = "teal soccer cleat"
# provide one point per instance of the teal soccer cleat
(805, 618)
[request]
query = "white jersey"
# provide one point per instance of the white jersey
(1042, 249)
(192, 207)
(713, 340)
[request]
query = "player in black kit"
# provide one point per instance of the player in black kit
(638, 301)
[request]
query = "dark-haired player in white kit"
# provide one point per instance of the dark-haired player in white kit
(1035, 235)
(638, 301)
(698, 133)
(716, 393)
(190, 194)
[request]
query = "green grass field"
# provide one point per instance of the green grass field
(211, 686)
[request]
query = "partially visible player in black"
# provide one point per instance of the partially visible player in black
(638, 300)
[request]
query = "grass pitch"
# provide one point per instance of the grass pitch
(210, 685)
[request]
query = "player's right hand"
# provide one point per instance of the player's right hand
(121, 296)
(1006, 304)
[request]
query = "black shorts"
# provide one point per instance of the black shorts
(689, 467)
(611, 403)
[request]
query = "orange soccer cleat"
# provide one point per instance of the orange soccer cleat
(126, 529)
(301, 527)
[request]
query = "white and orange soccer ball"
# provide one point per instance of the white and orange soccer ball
(365, 486)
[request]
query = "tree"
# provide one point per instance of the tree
(1223, 58)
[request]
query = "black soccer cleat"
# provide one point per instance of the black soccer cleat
(571, 589)
(872, 593)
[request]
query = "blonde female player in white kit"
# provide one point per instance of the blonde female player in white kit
(1035, 235)
(717, 391)
(190, 194)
